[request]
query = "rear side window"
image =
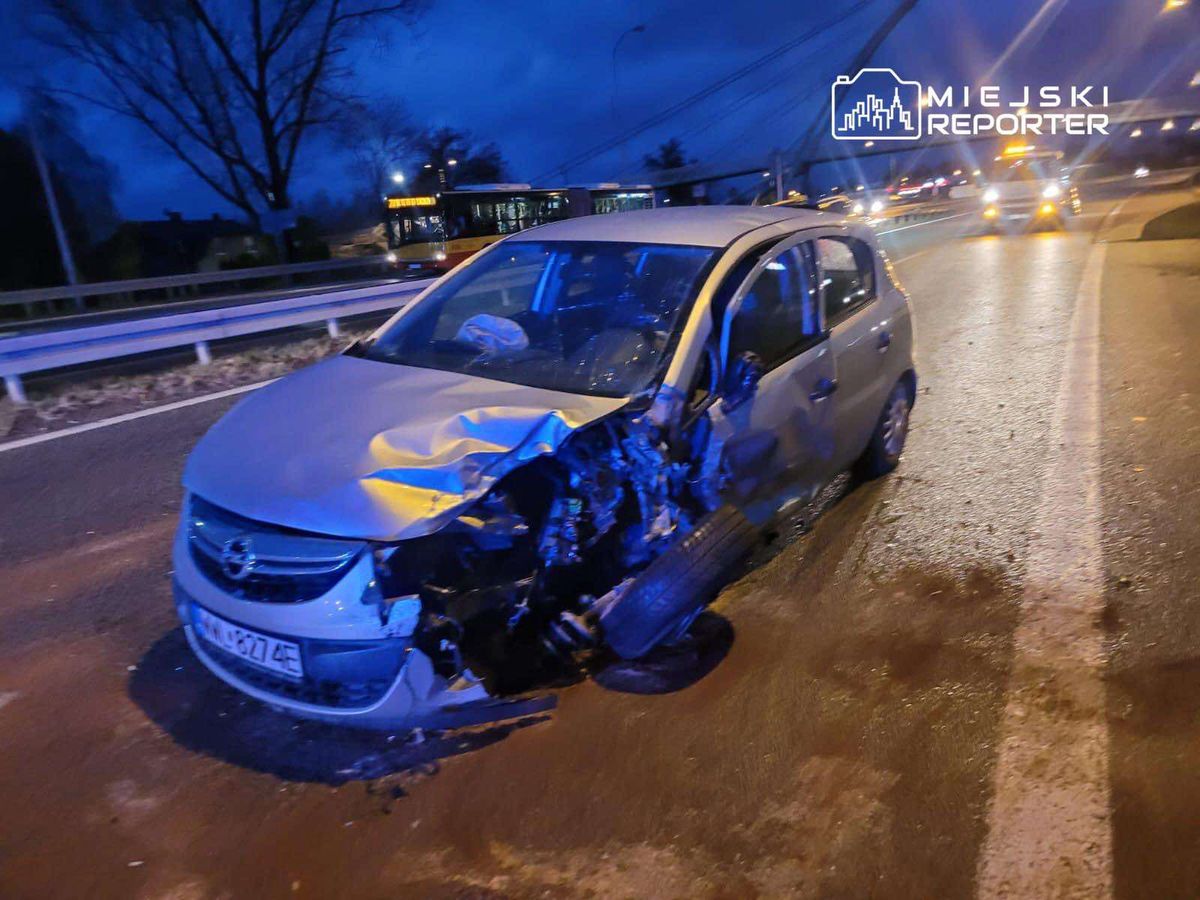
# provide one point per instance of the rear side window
(847, 276)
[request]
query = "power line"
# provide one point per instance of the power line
(704, 93)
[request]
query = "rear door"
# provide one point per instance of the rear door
(782, 436)
(858, 341)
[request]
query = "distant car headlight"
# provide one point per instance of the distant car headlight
(877, 206)
(1051, 191)
(991, 195)
(391, 257)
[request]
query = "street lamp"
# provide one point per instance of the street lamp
(397, 178)
(636, 29)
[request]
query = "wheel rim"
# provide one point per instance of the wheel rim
(895, 425)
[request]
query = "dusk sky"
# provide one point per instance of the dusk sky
(536, 77)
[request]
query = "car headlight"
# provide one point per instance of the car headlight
(1051, 191)
(991, 195)
(858, 209)
(391, 257)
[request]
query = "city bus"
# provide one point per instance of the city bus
(441, 230)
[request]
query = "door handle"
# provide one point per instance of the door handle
(822, 389)
(885, 341)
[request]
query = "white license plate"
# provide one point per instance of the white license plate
(262, 650)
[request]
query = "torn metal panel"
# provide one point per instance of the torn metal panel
(389, 452)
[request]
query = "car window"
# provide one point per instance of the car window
(579, 316)
(779, 314)
(847, 276)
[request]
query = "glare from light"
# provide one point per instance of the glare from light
(428, 165)
(1141, 172)
(1051, 191)
(439, 256)
(991, 195)
(877, 206)
(1195, 82)
(766, 174)
(1174, 4)
(957, 172)
(976, 172)
(1168, 125)
(452, 162)
(1047, 209)
(991, 212)
(869, 144)
(392, 258)
(1195, 126)
(1136, 133)
(398, 177)
(859, 209)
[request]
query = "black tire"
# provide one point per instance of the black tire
(883, 452)
(677, 584)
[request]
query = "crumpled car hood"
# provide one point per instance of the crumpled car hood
(357, 448)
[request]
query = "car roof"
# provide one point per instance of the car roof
(697, 226)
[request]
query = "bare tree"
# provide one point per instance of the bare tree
(232, 88)
(453, 155)
(381, 141)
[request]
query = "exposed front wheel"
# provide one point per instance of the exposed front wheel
(887, 441)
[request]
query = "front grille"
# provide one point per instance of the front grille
(337, 674)
(267, 563)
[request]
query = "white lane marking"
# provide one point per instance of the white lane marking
(1049, 825)
(919, 224)
(129, 417)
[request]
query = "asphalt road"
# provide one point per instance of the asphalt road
(848, 728)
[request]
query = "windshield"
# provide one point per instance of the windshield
(581, 317)
(1028, 169)
(411, 226)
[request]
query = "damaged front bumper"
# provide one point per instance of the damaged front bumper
(355, 672)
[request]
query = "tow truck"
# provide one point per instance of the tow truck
(1027, 189)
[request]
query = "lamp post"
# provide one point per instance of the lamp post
(636, 29)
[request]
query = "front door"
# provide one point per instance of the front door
(781, 442)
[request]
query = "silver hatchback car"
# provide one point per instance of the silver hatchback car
(558, 450)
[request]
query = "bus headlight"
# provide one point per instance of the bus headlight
(1051, 191)
(392, 258)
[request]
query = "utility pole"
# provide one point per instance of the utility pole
(820, 125)
(60, 232)
(636, 29)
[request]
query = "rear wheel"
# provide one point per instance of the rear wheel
(887, 441)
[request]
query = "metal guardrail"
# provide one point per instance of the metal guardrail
(40, 351)
(195, 279)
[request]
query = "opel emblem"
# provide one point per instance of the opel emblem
(237, 557)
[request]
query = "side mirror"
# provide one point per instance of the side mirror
(741, 380)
